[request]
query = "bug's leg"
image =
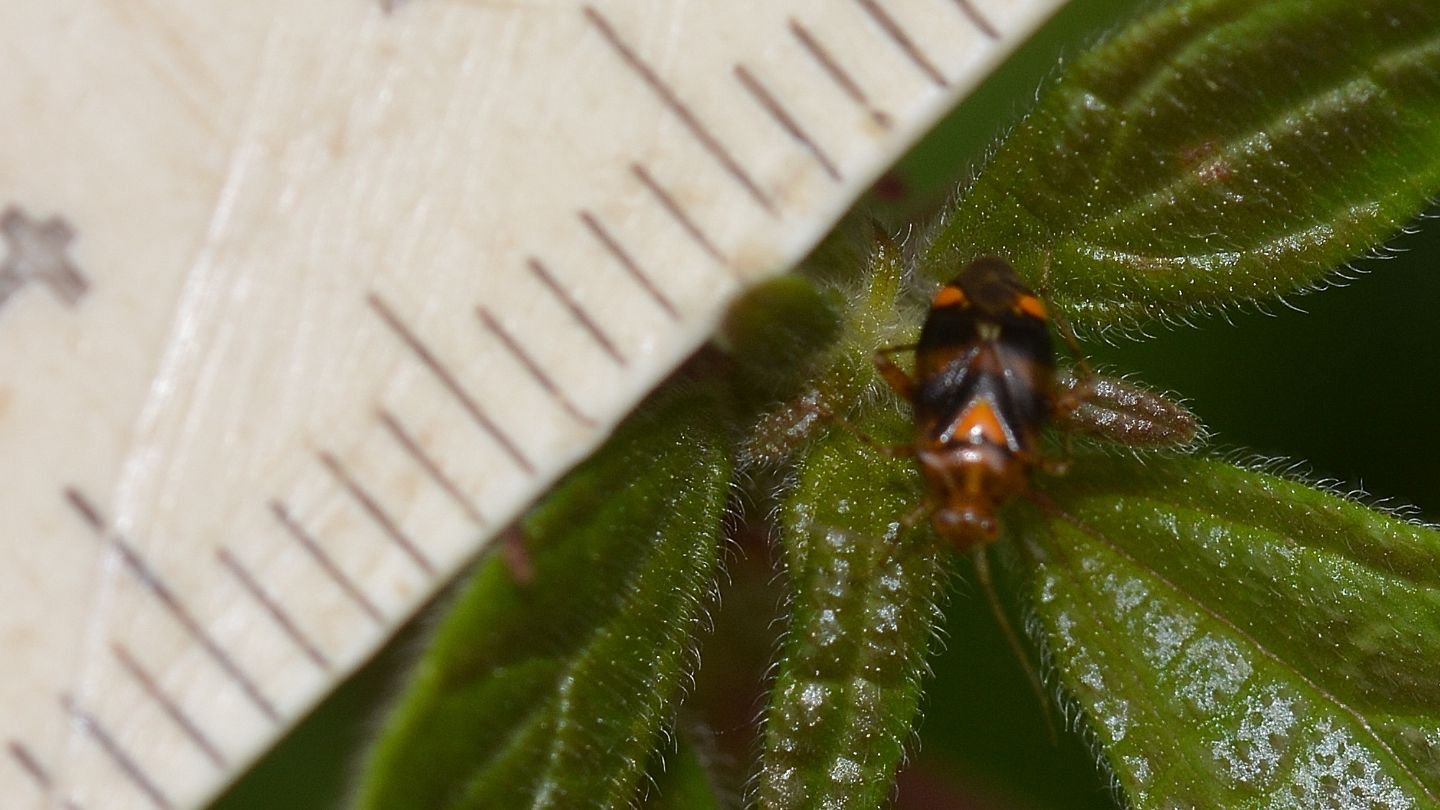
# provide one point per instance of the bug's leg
(982, 576)
(914, 516)
(1072, 395)
(897, 379)
(1067, 334)
(1048, 464)
(823, 411)
(894, 376)
(1063, 327)
(1068, 397)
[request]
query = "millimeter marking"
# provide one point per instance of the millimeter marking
(608, 241)
(30, 765)
(327, 564)
(376, 512)
(536, 372)
(678, 214)
(152, 582)
(282, 619)
(837, 73)
(681, 110)
(786, 121)
(583, 318)
(430, 361)
(187, 726)
(901, 39)
(117, 755)
(412, 447)
(973, 14)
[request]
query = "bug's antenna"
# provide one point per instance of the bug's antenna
(982, 575)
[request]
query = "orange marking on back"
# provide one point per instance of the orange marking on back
(949, 296)
(979, 423)
(1032, 306)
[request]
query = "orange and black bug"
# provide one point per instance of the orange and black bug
(982, 390)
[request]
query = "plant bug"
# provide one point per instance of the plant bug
(983, 388)
(985, 384)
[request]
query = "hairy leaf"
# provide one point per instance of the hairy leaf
(874, 316)
(682, 782)
(863, 611)
(777, 332)
(1237, 639)
(552, 693)
(1214, 152)
(1125, 412)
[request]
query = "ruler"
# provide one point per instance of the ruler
(302, 302)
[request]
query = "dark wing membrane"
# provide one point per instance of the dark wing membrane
(1012, 371)
(948, 346)
(1028, 356)
(1024, 400)
(945, 387)
(951, 328)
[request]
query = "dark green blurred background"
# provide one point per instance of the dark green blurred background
(1349, 389)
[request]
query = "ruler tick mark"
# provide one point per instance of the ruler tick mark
(37, 772)
(376, 512)
(902, 40)
(87, 510)
(151, 581)
(669, 98)
(430, 361)
(786, 121)
(272, 608)
(583, 318)
(172, 710)
(298, 533)
(536, 372)
(116, 753)
(32, 766)
(608, 241)
(974, 16)
(672, 206)
(412, 447)
(832, 68)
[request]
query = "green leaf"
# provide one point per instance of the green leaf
(1125, 412)
(554, 692)
(863, 612)
(1215, 152)
(874, 316)
(1237, 639)
(777, 332)
(681, 781)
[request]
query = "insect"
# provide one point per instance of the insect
(983, 388)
